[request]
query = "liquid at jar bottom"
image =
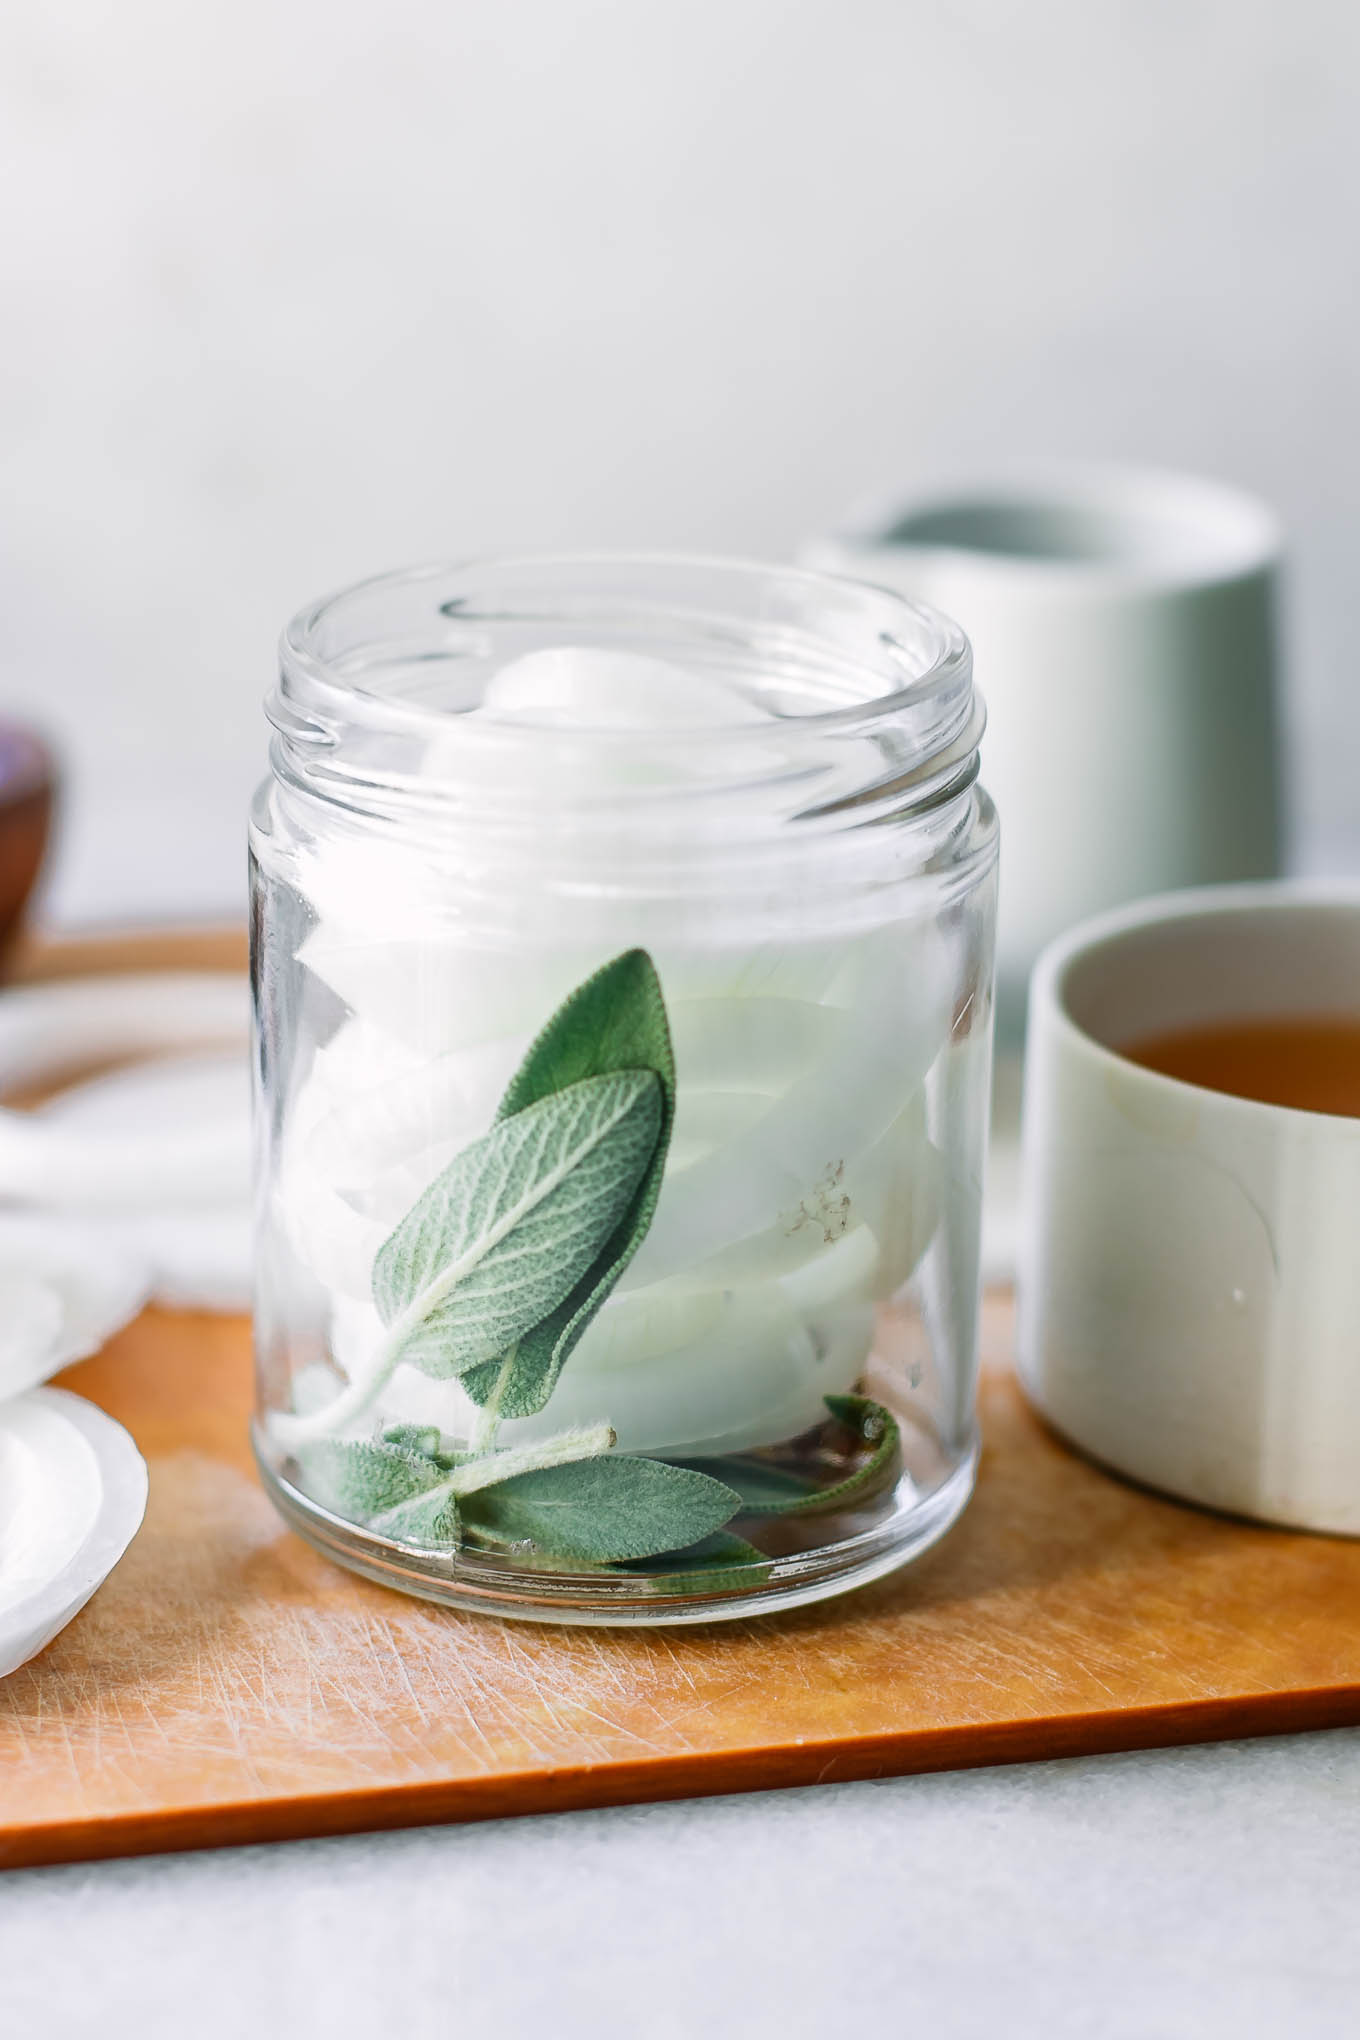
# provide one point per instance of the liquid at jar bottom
(906, 1521)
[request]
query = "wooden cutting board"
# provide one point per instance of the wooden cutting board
(229, 1685)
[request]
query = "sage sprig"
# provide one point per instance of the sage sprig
(719, 1561)
(365, 1477)
(502, 1262)
(514, 1222)
(494, 1275)
(431, 1521)
(570, 1498)
(768, 1489)
(614, 1507)
(614, 1022)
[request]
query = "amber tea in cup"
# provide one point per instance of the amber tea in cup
(1306, 1064)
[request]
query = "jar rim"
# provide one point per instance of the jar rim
(921, 658)
(355, 727)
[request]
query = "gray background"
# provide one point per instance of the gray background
(299, 289)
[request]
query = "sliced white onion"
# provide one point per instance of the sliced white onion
(704, 1120)
(886, 1041)
(753, 1375)
(447, 1102)
(361, 1118)
(733, 1058)
(843, 1268)
(331, 1240)
(598, 687)
(593, 699)
(748, 1041)
(681, 1370)
(432, 993)
(328, 1236)
(897, 1188)
(357, 1059)
(776, 1095)
(762, 967)
(800, 1119)
(429, 991)
(355, 1330)
(72, 1495)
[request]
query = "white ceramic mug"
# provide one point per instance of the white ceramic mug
(1189, 1260)
(1123, 625)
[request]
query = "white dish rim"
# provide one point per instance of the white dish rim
(122, 1508)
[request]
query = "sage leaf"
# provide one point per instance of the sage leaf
(614, 1022)
(768, 1489)
(714, 1563)
(361, 1478)
(426, 1439)
(875, 1427)
(513, 1224)
(614, 1507)
(489, 1469)
(429, 1520)
(765, 1489)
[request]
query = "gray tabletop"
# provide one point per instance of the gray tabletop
(1195, 1893)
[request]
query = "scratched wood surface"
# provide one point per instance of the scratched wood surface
(227, 1684)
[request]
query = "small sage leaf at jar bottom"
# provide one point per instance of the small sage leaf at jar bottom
(764, 1490)
(768, 1489)
(612, 1507)
(429, 1520)
(876, 1428)
(515, 1221)
(615, 1021)
(426, 1439)
(360, 1478)
(716, 1562)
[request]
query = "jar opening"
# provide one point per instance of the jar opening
(735, 695)
(807, 646)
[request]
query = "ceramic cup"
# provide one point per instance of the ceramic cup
(1123, 626)
(1189, 1282)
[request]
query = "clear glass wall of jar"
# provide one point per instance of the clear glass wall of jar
(623, 959)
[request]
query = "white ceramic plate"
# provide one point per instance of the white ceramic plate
(52, 1440)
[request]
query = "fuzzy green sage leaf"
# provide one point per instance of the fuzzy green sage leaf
(612, 1507)
(716, 1562)
(515, 1222)
(426, 1439)
(429, 1520)
(765, 1489)
(614, 1023)
(362, 1478)
(768, 1489)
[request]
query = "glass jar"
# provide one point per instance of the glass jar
(622, 937)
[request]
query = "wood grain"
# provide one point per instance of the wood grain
(229, 1685)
